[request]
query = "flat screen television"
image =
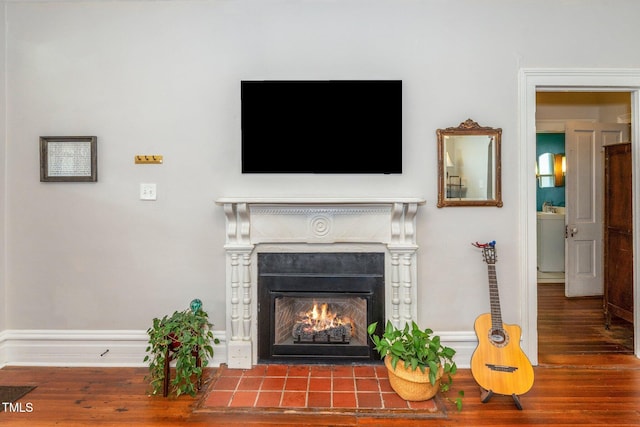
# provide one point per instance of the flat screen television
(322, 126)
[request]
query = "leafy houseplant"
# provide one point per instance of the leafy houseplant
(413, 349)
(185, 337)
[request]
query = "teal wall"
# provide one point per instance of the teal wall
(549, 143)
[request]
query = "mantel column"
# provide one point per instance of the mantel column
(238, 286)
(402, 249)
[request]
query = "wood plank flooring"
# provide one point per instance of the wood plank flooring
(576, 384)
(571, 330)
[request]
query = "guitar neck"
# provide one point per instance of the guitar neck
(496, 315)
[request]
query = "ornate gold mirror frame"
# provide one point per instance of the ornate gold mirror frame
(469, 170)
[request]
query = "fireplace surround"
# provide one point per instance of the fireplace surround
(315, 307)
(313, 225)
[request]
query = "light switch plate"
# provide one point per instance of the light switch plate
(147, 191)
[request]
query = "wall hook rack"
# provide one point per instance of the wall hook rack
(148, 159)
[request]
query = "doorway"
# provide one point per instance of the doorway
(571, 126)
(532, 82)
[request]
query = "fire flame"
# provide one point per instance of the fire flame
(320, 318)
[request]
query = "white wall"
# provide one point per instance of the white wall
(2, 175)
(151, 77)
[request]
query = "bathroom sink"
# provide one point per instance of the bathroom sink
(550, 215)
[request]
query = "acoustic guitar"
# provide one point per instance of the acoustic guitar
(498, 364)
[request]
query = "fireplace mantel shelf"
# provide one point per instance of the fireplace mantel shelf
(310, 224)
(319, 200)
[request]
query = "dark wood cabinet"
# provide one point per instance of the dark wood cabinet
(618, 238)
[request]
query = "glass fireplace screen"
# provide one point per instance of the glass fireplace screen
(328, 320)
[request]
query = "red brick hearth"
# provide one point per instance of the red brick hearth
(308, 386)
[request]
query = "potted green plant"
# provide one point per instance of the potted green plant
(416, 361)
(186, 337)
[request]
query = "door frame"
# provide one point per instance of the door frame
(531, 81)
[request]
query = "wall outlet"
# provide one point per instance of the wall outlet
(147, 192)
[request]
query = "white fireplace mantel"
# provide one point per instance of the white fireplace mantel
(254, 224)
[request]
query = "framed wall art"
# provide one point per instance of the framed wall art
(68, 159)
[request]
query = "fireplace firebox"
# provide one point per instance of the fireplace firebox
(315, 307)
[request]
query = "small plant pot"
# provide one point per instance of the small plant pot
(175, 343)
(411, 385)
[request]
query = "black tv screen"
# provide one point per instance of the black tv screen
(322, 126)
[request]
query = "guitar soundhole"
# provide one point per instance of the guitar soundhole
(498, 337)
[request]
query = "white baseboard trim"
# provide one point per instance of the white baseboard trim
(464, 343)
(82, 348)
(126, 348)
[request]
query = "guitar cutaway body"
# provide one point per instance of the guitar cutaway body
(498, 364)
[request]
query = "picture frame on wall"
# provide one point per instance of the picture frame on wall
(68, 158)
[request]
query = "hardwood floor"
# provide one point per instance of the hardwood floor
(596, 384)
(571, 330)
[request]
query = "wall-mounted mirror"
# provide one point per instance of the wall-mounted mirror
(469, 171)
(551, 170)
(546, 178)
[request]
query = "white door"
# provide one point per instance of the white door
(584, 206)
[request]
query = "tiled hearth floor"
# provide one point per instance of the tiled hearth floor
(343, 387)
